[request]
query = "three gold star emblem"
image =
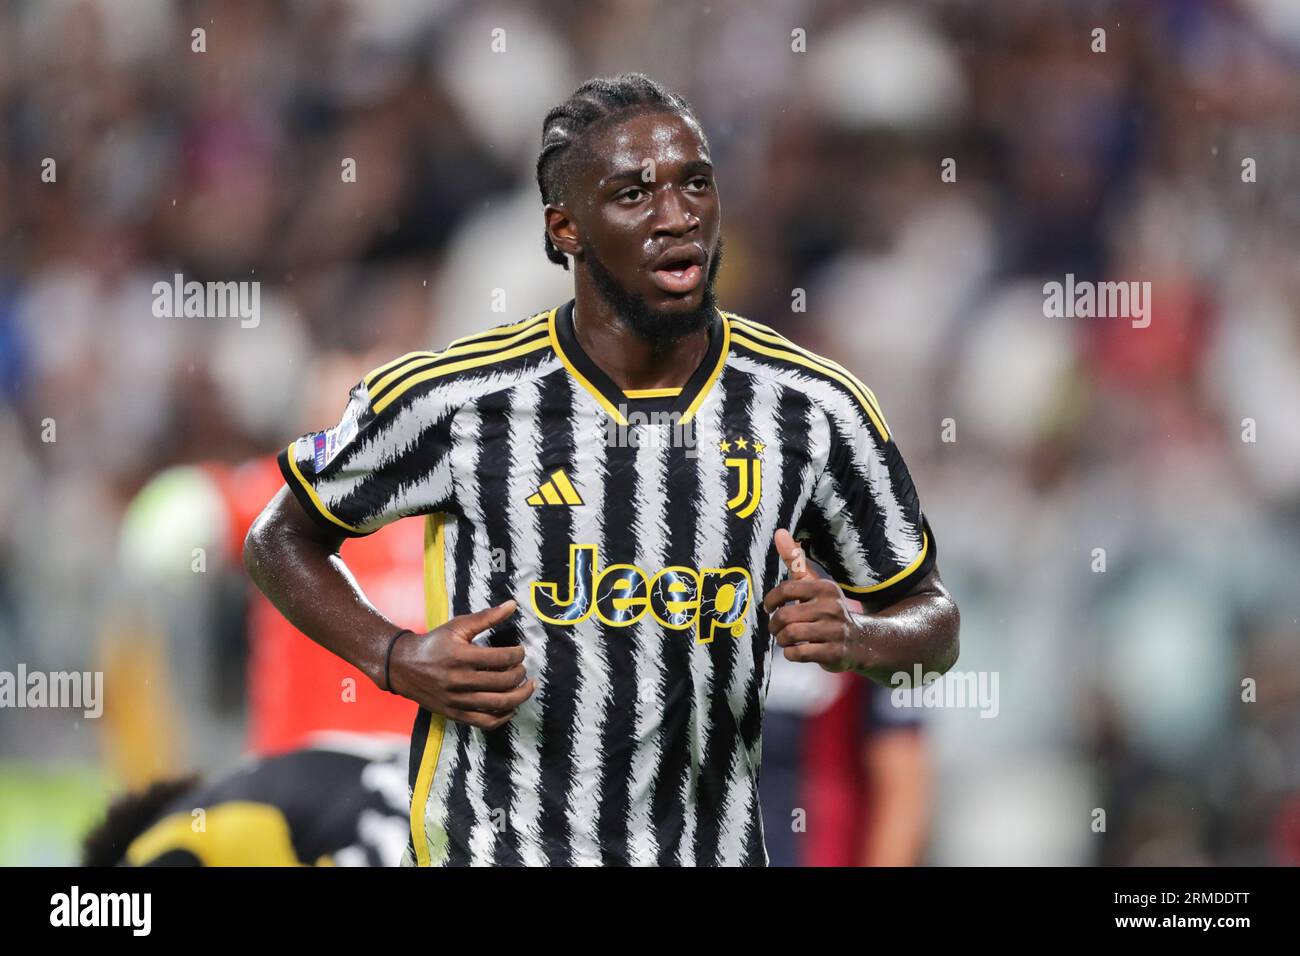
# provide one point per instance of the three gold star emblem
(742, 444)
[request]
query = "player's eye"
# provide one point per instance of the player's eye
(702, 182)
(627, 193)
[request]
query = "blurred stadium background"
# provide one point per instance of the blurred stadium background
(1119, 690)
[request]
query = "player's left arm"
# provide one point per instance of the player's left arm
(864, 525)
(811, 620)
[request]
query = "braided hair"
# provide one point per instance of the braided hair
(595, 104)
(128, 817)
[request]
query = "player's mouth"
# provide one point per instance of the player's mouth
(679, 271)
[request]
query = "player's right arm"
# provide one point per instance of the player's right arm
(381, 463)
(297, 565)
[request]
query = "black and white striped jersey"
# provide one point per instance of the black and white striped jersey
(636, 532)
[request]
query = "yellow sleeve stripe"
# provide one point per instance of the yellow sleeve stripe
(901, 575)
(864, 394)
(425, 353)
(532, 345)
(767, 334)
(504, 330)
(764, 331)
(798, 359)
(424, 359)
(311, 493)
(401, 359)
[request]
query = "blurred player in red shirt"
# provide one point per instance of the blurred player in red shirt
(845, 776)
(295, 687)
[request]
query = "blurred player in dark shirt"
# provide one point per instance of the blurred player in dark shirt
(846, 773)
(340, 802)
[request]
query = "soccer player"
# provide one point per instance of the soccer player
(296, 688)
(609, 490)
(339, 801)
(846, 775)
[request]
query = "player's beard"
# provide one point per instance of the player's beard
(657, 329)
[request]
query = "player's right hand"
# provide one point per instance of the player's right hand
(445, 672)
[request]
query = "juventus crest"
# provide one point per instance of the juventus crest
(744, 459)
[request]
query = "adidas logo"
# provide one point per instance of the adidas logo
(558, 491)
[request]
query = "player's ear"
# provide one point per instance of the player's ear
(562, 229)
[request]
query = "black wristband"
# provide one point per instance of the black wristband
(388, 658)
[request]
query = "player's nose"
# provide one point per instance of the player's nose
(673, 215)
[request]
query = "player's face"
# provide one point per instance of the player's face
(650, 220)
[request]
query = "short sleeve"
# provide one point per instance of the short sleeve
(387, 458)
(864, 522)
(881, 712)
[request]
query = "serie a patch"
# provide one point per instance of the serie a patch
(323, 447)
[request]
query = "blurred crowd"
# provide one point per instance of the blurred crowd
(1116, 507)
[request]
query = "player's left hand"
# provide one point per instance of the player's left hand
(808, 615)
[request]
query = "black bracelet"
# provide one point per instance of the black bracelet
(388, 658)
